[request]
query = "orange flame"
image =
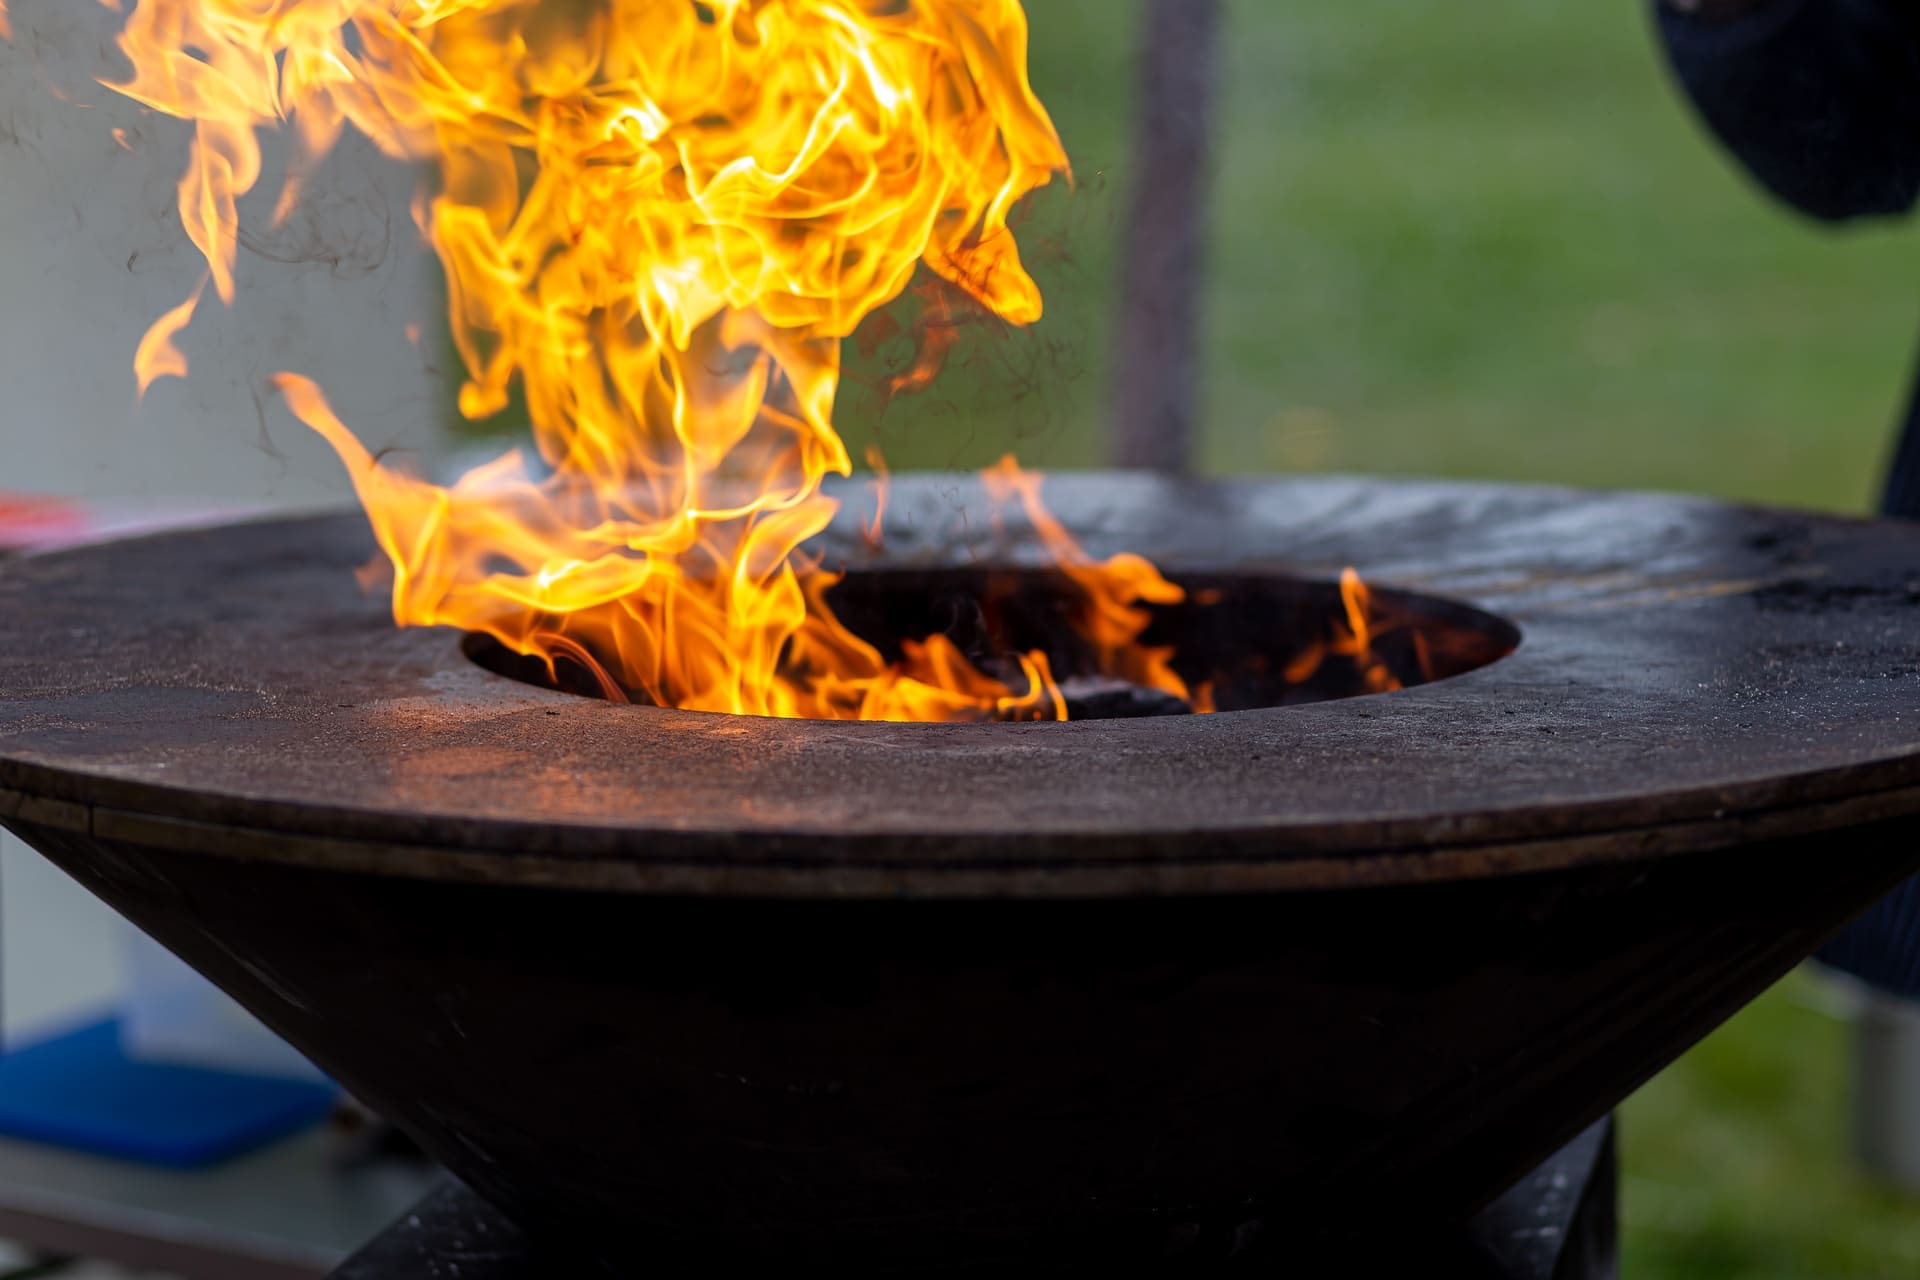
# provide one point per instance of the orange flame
(1113, 593)
(157, 357)
(874, 531)
(660, 219)
(1353, 637)
(1356, 643)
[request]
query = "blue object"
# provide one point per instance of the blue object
(81, 1090)
(1882, 947)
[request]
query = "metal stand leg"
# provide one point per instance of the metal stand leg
(1158, 374)
(1886, 1089)
(1561, 1222)
(1558, 1223)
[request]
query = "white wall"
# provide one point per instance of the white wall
(91, 252)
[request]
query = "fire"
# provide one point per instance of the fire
(1352, 639)
(157, 357)
(1356, 643)
(659, 220)
(1113, 594)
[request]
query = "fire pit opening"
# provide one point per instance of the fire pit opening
(1240, 640)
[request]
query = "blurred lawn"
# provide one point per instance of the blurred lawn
(1487, 241)
(1489, 244)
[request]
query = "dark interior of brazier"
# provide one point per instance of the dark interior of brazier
(1240, 640)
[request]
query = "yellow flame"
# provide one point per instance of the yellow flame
(157, 357)
(659, 221)
(1113, 593)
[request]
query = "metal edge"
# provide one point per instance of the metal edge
(1112, 877)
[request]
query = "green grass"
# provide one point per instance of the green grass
(1500, 248)
(1737, 1162)
(1486, 244)
(1488, 240)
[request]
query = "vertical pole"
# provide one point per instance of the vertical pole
(1157, 379)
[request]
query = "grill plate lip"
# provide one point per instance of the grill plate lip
(1692, 676)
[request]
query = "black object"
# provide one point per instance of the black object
(1820, 100)
(683, 989)
(1560, 1222)
(1816, 98)
(453, 1232)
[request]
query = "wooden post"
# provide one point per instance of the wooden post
(1157, 379)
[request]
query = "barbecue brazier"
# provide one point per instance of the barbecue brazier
(694, 988)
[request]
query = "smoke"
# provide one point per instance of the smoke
(937, 381)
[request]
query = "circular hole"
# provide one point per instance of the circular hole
(1251, 640)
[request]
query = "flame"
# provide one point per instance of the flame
(1353, 639)
(874, 531)
(157, 357)
(1356, 642)
(6, 23)
(659, 221)
(1113, 593)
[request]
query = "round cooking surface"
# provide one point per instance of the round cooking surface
(1689, 675)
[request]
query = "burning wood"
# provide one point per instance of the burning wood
(1101, 698)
